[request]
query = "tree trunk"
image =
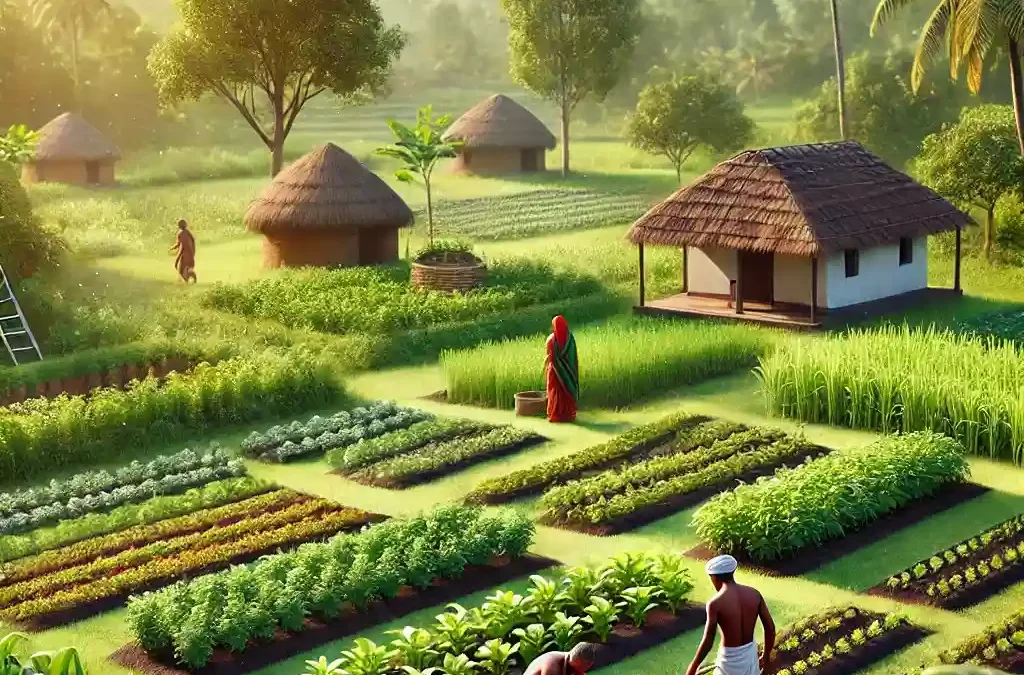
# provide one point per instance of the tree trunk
(277, 142)
(430, 215)
(840, 69)
(565, 139)
(563, 86)
(989, 235)
(679, 173)
(74, 65)
(1017, 87)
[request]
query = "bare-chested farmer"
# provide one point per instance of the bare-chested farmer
(575, 662)
(185, 246)
(734, 610)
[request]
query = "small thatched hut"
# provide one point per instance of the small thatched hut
(70, 150)
(500, 136)
(782, 234)
(328, 209)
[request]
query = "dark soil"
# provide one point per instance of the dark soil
(1011, 663)
(660, 626)
(679, 502)
(107, 604)
(368, 478)
(440, 396)
(859, 658)
(811, 558)
(453, 258)
(285, 645)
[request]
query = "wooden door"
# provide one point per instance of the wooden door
(528, 160)
(92, 173)
(758, 271)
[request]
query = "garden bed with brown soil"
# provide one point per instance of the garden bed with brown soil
(1010, 663)
(285, 645)
(811, 557)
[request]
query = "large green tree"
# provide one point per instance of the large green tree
(968, 31)
(567, 50)
(269, 58)
(68, 22)
(975, 162)
(677, 117)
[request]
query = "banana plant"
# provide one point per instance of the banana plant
(629, 570)
(533, 641)
(505, 611)
(455, 630)
(58, 662)
(545, 598)
(602, 615)
(367, 658)
(458, 665)
(496, 656)
(639, 601)
(9, 663)
(566, 630)
(322, 667)
(415, 647)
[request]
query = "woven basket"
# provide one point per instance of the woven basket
(448, 277)
(531, 403)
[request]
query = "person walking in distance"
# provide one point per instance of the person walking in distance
(185, 261)
(734, 610)
(577, 661)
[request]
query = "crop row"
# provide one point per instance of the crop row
(400, 419)
(92, 482)
(152, 510)
(259, 442)
(965, 565)
(45, 435)
(232, 608)
(79, 506)
(835, 634)
(509, 630)
(708, 443)
(998, 640)
(436, 458)
(141, 535)
(161, 571)
(539, 476)
(827, 498)
(373, 450)
(716, 474)
(69, 574)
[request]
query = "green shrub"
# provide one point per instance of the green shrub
(825, 499)
(620, 362)
(43, 435)
(26, 246)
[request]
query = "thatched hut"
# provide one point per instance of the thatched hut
(70, 150)
(500, 136)
(784, 234)
(328, 209)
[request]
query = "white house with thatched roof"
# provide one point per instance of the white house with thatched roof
(500, 136)
(327, 209)
(70, 150)
(786, 234)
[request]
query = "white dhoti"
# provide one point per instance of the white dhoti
(738, 660)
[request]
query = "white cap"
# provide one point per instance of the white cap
(723, 564)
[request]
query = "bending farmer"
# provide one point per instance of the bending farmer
(575, 662)
(735, 609)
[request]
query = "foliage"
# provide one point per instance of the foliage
(229, 608)
(273, 56)
(41, 435)
(419, 148)
(370, 451)
(539, 476)
(998, 638)
(826, 498)
(26, 245)
(567, 50)
(18, 145)
(64, 661)
(884, 112)
(975, 162)
(677, 117)
(1003, 325)
(899, 379)
(620, 362)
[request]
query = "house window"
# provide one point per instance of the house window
(906, 250)
(852, 259)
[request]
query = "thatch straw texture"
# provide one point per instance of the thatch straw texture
(328, 188)
(70, 138)
(800, 200)
(500, 122)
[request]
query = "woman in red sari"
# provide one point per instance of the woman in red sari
(563, 373)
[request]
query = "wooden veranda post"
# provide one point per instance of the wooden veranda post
(956, 263)
(685, 272)
(814, 289)
(640, 249)
(739, 283)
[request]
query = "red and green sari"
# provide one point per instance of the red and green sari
(563, 373)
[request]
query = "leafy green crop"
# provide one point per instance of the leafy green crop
(373, 450)
(999, 638)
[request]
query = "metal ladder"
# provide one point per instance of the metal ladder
(17, 336)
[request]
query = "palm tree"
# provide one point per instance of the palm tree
(754, 61)
(68, 20)
(840, 69)
(968, 30)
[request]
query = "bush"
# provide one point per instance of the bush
(26, 247)
(43, 435)
(827, 498)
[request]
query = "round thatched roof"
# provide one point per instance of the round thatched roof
(328, 188)
(70, 138)
(500, 122)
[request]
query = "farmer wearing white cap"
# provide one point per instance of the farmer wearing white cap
(735, 610)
